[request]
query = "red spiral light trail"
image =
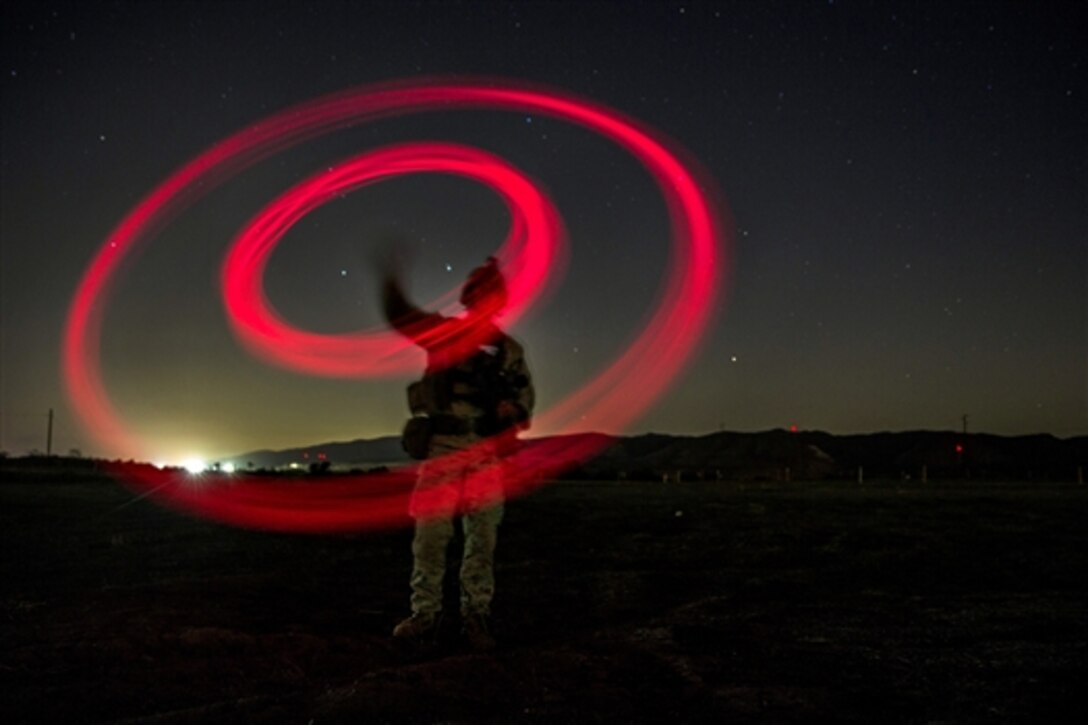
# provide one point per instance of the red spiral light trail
(532, 251)
(609, 401)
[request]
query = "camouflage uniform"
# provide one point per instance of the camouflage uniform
(475, 396)
(463, 474)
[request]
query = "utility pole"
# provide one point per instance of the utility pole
(49, 435)
(961, 447)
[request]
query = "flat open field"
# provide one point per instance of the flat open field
(616, 602)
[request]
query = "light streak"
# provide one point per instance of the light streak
(611, 400)
(532, 251)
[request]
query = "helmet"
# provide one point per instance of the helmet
(485, 288)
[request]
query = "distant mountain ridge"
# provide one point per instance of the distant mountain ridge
(781, 454)
(767, 455)
(362, 452)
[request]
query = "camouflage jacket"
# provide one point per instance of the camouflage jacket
(475, 372)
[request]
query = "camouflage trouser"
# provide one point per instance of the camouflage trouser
(459, 477)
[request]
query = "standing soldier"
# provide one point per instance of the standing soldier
(475, 395)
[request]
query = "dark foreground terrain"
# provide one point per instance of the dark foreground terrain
(617, 602)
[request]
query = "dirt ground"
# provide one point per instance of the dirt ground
(616, 602)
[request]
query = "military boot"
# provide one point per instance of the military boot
(417, 627)
(477, 633)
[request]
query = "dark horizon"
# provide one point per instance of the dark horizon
(386, 451)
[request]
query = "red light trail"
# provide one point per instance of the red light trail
(532, 250)
(609, 401)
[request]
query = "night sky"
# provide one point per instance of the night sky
(905, 182)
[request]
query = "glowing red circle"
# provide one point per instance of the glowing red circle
(532, 250)
(608, 402)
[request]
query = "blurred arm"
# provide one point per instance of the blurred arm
(401, 314)
(405, 317)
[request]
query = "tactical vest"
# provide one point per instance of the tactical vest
(470, 391)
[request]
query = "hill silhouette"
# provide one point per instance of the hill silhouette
(767, 455)
(362, 452)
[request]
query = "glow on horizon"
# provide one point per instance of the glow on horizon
(194, 465)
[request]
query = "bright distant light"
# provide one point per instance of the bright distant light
(228, 467)
(194, 465)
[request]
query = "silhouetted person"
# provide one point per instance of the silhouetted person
(475, 395)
